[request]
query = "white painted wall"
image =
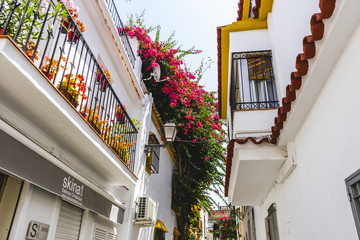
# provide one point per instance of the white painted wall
(159, 188)
(254, 40)
(253, 123)
(99, 38)
(312, 203)
(288, 23)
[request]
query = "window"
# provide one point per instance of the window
(271, 224)
(353, 189)
(252, 81)
(153, 159)
(159, 234)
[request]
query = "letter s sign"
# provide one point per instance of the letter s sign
(37, 231)
(34, 228)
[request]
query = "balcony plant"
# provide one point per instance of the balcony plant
(74, 14)
(30, 50)
(73, 35)
(93, 117)
(24, 13)
(51, 67)
(100, 79)
(120, 114)
(114, 135)
(73, 87)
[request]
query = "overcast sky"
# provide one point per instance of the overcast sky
(194, 23)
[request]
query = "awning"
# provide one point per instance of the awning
(176, 232)
(160, 225)
(21, 161)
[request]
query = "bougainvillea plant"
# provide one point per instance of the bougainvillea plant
(226, 228)
(179, 98)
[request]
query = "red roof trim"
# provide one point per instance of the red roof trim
(302, 65)
(240, 11)
(256, 8)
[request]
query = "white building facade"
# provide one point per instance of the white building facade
(72, 137)
(287, 87)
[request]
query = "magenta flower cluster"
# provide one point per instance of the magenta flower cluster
(201, 120)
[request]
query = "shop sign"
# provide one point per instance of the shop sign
(30, 166)
(38, 231)
(72, 190)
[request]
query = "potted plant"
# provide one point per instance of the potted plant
(92, 116)
(30, 50)
(100, 79)
(73, 35)
(122, 148)
(72, 88)
(51, 67)
(66, 22)
(120, 114)
(24, 14)
(113, 134)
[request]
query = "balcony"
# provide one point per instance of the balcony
(255, 169)
(51, 80)
(252, 89)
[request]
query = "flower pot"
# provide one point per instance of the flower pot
(66, 25)
(69, 97)
(120, 117)
(103, 85)
(73, 37)
(100, 79)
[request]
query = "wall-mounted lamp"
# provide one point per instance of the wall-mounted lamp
(170, 134)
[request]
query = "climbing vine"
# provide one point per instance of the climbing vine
(179, 98)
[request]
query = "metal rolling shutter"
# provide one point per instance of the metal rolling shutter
(69, 223)
(102, 234)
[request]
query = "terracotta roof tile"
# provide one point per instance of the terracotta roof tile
(302, 65)
(255, 9)
(240, 11)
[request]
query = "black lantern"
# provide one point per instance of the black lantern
(170, 134)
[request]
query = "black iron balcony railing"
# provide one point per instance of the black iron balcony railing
(252, 81)
(121, 30)
(257, 105)
(52, 39)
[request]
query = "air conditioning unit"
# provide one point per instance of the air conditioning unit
(146, 211)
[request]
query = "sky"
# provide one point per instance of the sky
(194, 23)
